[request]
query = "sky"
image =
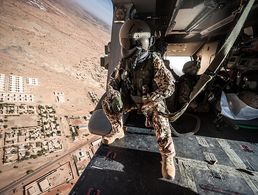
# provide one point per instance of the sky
(177, 63)
(102, 9)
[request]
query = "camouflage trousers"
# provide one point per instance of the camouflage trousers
(159, 123)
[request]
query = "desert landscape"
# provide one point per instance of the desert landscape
(50, 80)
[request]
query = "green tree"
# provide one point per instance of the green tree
(40, 153)
(33, 156)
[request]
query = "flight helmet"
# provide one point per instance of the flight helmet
(135, 33)
(191, 67)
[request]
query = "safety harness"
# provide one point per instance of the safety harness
(219, 59)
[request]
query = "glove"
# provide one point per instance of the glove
(116, 104)
(147, 106)
(147, 103)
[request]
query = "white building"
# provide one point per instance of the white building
(15, 97)
(2, 82)
(60, 97)
(16, 84)
(32, 81)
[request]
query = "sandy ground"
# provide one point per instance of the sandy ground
(60, 44)
(61, 50)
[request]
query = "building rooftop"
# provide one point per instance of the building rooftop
(44, 185)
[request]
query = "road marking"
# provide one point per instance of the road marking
(236, 160)
(202, 141)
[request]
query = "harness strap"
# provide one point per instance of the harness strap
(216, 63)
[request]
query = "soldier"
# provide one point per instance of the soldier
(186, 83)
(141, 81)
(185, 86)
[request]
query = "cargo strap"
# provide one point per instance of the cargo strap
(220, 57)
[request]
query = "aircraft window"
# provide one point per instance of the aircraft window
(177, 63)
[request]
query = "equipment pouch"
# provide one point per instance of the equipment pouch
(116, 104)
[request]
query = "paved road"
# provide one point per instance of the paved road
(47, 167)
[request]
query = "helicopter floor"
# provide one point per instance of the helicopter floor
(211, 162)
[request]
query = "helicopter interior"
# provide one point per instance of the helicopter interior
(220, 157)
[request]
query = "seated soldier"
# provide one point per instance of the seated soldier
(185, 86)
(187, 82)
(141, 81)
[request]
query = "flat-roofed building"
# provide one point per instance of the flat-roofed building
(2, 82)
(60, 97)
(32, 189)
(32, 81)
(16, 97)
(16, 84)
(44, 185)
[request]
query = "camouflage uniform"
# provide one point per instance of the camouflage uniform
(185, 87)
(162, 86)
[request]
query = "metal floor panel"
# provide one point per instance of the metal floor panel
(204, 165)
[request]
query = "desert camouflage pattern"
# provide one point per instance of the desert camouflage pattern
(164, 80)
(185, 86)
(151, 106)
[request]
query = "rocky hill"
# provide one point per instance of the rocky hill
(58, 42)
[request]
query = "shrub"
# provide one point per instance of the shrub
(29, 171)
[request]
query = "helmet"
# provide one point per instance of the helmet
(191, 67)
(135, 33)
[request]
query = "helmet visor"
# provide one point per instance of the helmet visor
(128, 43)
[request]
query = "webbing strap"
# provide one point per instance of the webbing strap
(217, 61)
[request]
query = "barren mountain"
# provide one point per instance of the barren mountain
(58, 42)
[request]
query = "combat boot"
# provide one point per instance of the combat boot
(113, 135)
(168, 167)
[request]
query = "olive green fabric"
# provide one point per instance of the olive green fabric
(116, 104)
(141, 78)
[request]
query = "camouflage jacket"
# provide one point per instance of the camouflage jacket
(185, 87)
(162, 77)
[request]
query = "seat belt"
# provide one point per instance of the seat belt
(220, 57)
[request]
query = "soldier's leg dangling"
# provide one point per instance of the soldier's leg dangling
(116, 121)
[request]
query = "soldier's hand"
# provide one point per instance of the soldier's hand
(147, 106)
(116, 104)
(146, 99)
